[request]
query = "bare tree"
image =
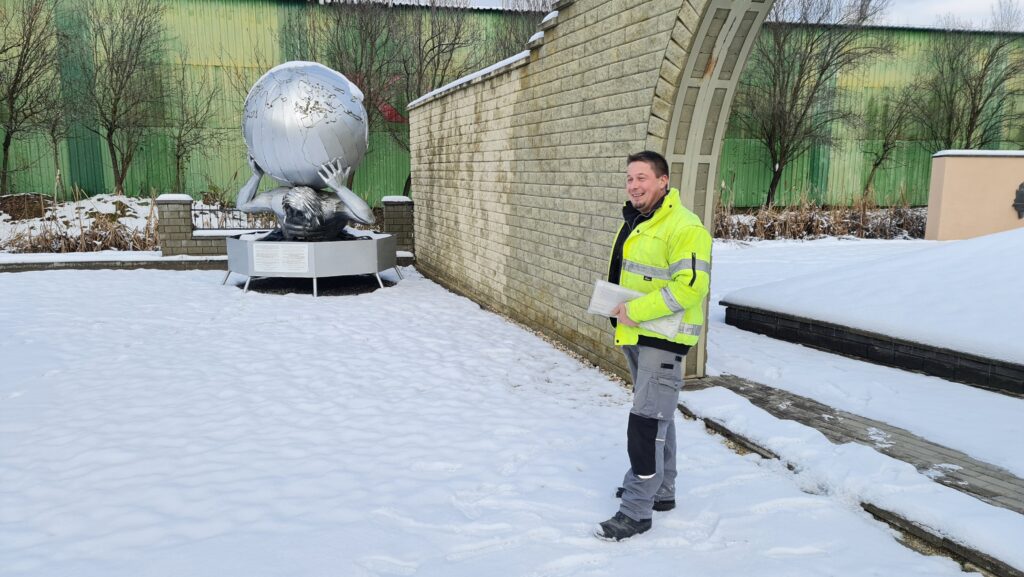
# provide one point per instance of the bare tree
(28, 72)
(437, 49)
(56, 129)
(519, 21)
(8, 39)
(116, 71)
(192, 107)
(242, 71)
(884, 127)
(359, 39)
(787, 98)
(972, 83)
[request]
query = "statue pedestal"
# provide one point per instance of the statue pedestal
(249, 256)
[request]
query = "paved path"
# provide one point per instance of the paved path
(950, 467)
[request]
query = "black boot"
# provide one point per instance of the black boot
(666, 505)
(621, 527)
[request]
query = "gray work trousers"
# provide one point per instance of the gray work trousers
(651, 435)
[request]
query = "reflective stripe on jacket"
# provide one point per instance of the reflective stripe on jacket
(667, 257)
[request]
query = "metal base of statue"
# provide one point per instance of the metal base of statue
(255, 258)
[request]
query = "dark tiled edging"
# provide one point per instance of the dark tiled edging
(991, 374)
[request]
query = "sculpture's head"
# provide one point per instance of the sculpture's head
(302, 206)
(301, 115)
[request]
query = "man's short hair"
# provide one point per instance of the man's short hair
(657, 162)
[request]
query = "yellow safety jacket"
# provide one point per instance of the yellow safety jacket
(667, 257)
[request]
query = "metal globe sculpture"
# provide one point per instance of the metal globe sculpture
(300, 116)
(305, 125)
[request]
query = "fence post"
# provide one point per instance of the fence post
(176, 230)
(174, 223)
(398, 221)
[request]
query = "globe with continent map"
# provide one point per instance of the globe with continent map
(302, 115)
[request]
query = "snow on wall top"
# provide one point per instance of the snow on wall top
(469, 78)
(978, 153)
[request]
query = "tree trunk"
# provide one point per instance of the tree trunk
(4, 175)
(58, 184)
(871, 181)
(178, 174)
(774, 186)
(118, 177)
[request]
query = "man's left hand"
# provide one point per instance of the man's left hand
(622, 315)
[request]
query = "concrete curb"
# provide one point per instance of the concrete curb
(220, 264)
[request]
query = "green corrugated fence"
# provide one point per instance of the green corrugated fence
(228, 38)
(224, 39)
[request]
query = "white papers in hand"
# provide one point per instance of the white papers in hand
(607, 296)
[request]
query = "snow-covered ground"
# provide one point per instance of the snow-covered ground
(965, 296)
(156, 423)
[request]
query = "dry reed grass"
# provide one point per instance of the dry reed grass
(808, 220)
(105, 232)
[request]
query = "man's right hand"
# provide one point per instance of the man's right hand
(621, 313)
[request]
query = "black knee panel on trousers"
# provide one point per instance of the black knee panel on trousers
(641, 440)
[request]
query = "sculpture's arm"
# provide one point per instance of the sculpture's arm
(334, 177)
(246, 193)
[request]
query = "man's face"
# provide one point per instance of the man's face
(643, 188)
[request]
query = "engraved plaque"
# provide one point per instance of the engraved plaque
(277, 257)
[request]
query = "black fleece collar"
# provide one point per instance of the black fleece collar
(633, 217)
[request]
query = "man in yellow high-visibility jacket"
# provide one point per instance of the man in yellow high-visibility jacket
(663, 251)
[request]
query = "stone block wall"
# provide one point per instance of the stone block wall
(519, 171)
(174, 227)
(519, 177)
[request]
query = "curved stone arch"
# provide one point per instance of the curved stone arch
(518, 170)
(690, 111)
(700, 84)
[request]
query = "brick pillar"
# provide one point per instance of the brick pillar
(398, 215)
(174, 225)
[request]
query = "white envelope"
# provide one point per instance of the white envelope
(607, 296)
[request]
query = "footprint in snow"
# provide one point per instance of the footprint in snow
(388, 565)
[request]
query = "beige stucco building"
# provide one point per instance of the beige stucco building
(972, 193)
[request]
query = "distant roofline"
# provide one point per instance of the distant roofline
(500, 5)
(495, 5)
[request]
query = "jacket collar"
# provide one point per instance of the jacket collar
(633, 217)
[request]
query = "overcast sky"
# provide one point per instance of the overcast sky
(923, 13)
